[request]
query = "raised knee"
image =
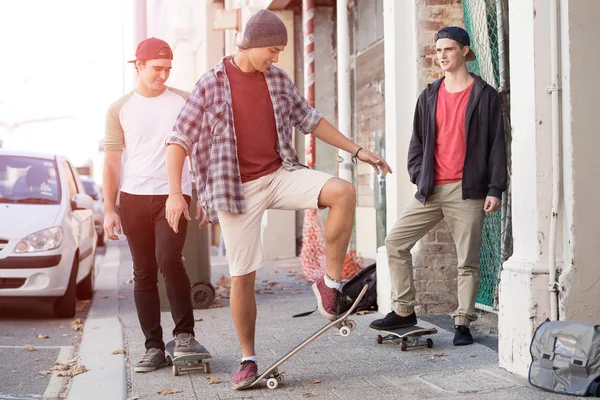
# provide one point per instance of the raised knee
(394, 244)
(346, 193)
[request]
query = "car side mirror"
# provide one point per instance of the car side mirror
(82, 201)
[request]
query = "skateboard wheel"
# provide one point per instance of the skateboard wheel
(403, 346)
(429, 343)
(379, 339)
(345, 331)
(352, 324)
(272, 383)
(175, 370)
(280, 378)
(207, 368)
(202, 295)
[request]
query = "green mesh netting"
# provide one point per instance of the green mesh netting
(486, 22)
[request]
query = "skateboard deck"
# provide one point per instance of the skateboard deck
(190, 362)
(345, 326)
(408, 337)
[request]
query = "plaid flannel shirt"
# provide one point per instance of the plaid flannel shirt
(205, 130)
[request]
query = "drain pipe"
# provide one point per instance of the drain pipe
(343, 85)
(554, 91)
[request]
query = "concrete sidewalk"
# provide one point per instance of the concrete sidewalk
(332, 367)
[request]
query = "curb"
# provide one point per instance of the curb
(106, 376)
(56, 382)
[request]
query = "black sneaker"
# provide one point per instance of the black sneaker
(462, 336)
(394, 321)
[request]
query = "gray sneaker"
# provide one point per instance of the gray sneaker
(152, 360)
(185, 343)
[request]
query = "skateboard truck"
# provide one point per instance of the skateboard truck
(346, 327)
(274, 378)
(406, 342)
(190, 362)
(408, 337)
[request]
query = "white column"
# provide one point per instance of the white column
(344, 89)
(524, 296)
(400, 32)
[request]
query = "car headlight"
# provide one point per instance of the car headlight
(48, 239)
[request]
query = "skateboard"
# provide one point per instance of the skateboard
(345, 326)
(189, 362)
(408, 337)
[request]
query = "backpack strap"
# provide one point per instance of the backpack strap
(304, 314)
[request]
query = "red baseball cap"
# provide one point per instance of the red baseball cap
(152, 49)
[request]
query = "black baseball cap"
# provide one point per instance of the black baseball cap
(458, 34)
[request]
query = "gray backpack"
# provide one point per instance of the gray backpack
(565, 358)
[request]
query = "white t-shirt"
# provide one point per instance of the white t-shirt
(138, 126)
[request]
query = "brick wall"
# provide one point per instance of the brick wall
(435, 261)
(432, 15)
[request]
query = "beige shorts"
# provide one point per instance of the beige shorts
(281, 190)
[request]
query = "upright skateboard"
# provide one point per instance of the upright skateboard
(408, 337)
(190, 362)
(345, 326)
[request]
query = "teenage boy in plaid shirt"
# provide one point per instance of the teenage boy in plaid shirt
(238, 126)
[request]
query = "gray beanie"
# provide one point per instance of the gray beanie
(264, 29)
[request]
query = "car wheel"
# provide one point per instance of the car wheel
(100, 242)
(64, 306)
(85, 289)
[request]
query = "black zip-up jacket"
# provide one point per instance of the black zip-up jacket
(484, 171)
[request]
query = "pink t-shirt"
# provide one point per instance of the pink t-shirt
(450, 140)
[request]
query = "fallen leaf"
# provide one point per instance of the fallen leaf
(473, 355)
(80, 369)
(45, 372)
(309, 395)
(30, 347)
(212, 381)
(165, 392)
(436, 356)
(66, 334)
(198, 320)
(314, 381)
(43, 336)
(60, 367)
(120, 351)
(77, 324)
(105, 297)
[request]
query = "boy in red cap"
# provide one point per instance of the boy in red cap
(238, 126)
(136, 128)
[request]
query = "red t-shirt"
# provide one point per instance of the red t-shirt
(254, 122)
(450, 140)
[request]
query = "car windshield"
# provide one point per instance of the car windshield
(28, 180)
(90, 188)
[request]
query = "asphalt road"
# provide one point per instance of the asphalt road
(30, 322)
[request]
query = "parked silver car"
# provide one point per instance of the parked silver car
(47, 236)
(93, 190)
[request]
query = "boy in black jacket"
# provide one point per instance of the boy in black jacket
(457, 159)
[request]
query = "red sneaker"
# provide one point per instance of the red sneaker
(246, 375)
(327, 299)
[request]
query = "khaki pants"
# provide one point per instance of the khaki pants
(465, 219)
